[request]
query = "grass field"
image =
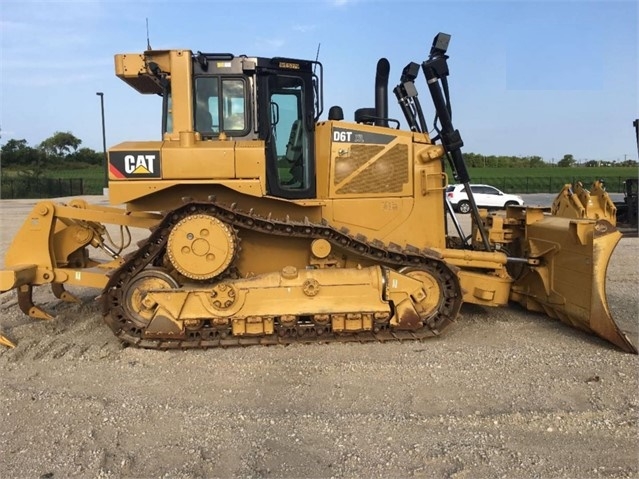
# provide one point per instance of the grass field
(510, 180)
(91, 173)
(550, 179)
(555, 172)
(607, 173)
(71, 181)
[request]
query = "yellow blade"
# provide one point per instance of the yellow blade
(4, 341)
(570, 281)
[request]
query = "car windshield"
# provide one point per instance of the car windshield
(450, 188)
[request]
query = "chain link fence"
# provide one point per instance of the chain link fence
(548, 184)
(14, 188)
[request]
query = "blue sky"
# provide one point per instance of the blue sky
(527, 78)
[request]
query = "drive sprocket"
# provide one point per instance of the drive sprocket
(201, 246)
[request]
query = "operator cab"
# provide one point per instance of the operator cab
(276, 100)
(287, 112)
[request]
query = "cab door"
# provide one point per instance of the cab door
(287, 125)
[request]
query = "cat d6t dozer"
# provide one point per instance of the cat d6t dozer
(269, 226)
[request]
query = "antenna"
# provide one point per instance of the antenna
(317, 56)
(148, 42)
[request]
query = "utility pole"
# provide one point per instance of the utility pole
(104, 150)
(636, 125)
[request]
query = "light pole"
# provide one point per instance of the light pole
(104, 150)
(636, 125)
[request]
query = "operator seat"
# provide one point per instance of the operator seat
(203, 121)
(294, 145)
(294, 154)
(203, 117)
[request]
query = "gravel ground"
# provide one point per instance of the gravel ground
(503, 393)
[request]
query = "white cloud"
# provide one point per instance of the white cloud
(304, 28)
(53, 80)
(56, 35)
(270, 43)
(7, 133)
(8, 26)
(54, 11)
(341, 3)
(27, 64)
(49, 24)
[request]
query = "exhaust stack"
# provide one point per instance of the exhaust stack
(381, 92)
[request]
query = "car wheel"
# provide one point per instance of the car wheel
(464, 207)
(510, 203)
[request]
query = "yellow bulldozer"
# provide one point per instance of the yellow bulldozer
(269, 225)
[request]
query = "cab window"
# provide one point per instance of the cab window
(207, 118)
(233, 110)
(220, 106)
(167, 112)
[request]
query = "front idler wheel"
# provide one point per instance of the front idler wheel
(442, 300)
(137, 310)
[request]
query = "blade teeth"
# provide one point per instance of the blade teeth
(7, 342)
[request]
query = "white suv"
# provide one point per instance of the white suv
(485, 196)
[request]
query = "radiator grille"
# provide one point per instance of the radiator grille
(387, 174)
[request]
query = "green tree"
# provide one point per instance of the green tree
(19, 153)
(536, 162)
(567, 161)
(87, 155)
(13, 146)
(60, 145)
(474, 160)
(628, 162)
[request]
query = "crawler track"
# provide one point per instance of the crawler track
(151, 251)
